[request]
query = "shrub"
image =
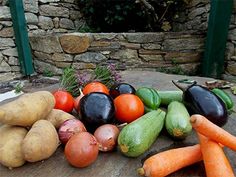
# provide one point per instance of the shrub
(130, 15)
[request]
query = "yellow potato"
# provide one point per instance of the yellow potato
(10, 145)
(57, 117)
(40, 142)
(27, 109)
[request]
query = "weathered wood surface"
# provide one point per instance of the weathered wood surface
(114, 164)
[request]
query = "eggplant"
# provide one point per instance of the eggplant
(200, 100)
(121, 88)
(96, 109)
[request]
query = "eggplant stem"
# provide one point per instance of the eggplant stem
(183, 88)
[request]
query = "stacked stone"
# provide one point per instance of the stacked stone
(9, 65)
(142, 51)
(231, 45)
(52, 16)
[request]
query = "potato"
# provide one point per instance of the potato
(27, 109)
(40, 142)
(10, 145)
(57, 117)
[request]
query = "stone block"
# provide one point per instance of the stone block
(144, 37)
(45, 22)
(183, 44)
(196, 12)
(183, 57)
(31, 6)
(58, 57)
(47, 44)
(125, 55)
(231, 68)
(12, 52)
(151, 46)
(75, 43)
(13, 61)
(53, 11)
(5, 13)
(43, 56)
(31, 18)
(7, 32)
(104, 36)
(6, 42)
(66, 23)
(104, 45)
(4, 66)
(47, 1)
(42, 67)
(75, 14)
(90, 57)
(83, 66)
(7, 76)
(151, 57)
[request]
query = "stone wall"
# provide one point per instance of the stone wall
(143, 51)
(49, 20)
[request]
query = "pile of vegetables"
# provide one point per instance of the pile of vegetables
(98, 116)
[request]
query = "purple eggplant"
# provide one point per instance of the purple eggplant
(200, 100)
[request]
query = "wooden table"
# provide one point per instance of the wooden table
(114, 164)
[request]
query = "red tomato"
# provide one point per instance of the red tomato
(82, 149)
(64, 101)
(95, 87)
(128, 107)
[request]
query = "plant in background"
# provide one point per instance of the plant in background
(47, 73)
(135, 15)
(73, 80)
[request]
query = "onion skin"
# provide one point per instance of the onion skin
(81, 150)
(106, 136)
(69, 128)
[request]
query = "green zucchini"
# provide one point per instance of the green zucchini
(138, 136)
(149, 97)
(177, 120)
(169, 96)
(224, 96)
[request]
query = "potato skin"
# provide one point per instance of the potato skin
(11, 145)
(27, 109)
(40, 142)
(57, 117)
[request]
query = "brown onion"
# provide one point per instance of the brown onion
(81, 150)
(106, 136)
(69, 128)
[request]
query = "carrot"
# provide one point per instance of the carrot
(202, 125)
(215, 162)
(167, 162)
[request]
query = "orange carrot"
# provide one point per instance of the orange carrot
(167, 162)
(215, 162)
(202, 125)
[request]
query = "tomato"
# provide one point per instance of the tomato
(81, 150)
(64, 101)
(128, 107)
(95, 87)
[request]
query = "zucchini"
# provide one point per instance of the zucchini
(149, 97)
(224, 96)
(168, 96)
(138, 136)
(177, 120)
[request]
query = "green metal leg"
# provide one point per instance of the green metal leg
(219, 19)
(21, 35)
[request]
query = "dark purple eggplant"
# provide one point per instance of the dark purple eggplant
(96, 109)
(200, 100)
(121, 88)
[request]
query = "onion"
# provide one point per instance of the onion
(70, 127)
(81, 150)
(106, 136)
